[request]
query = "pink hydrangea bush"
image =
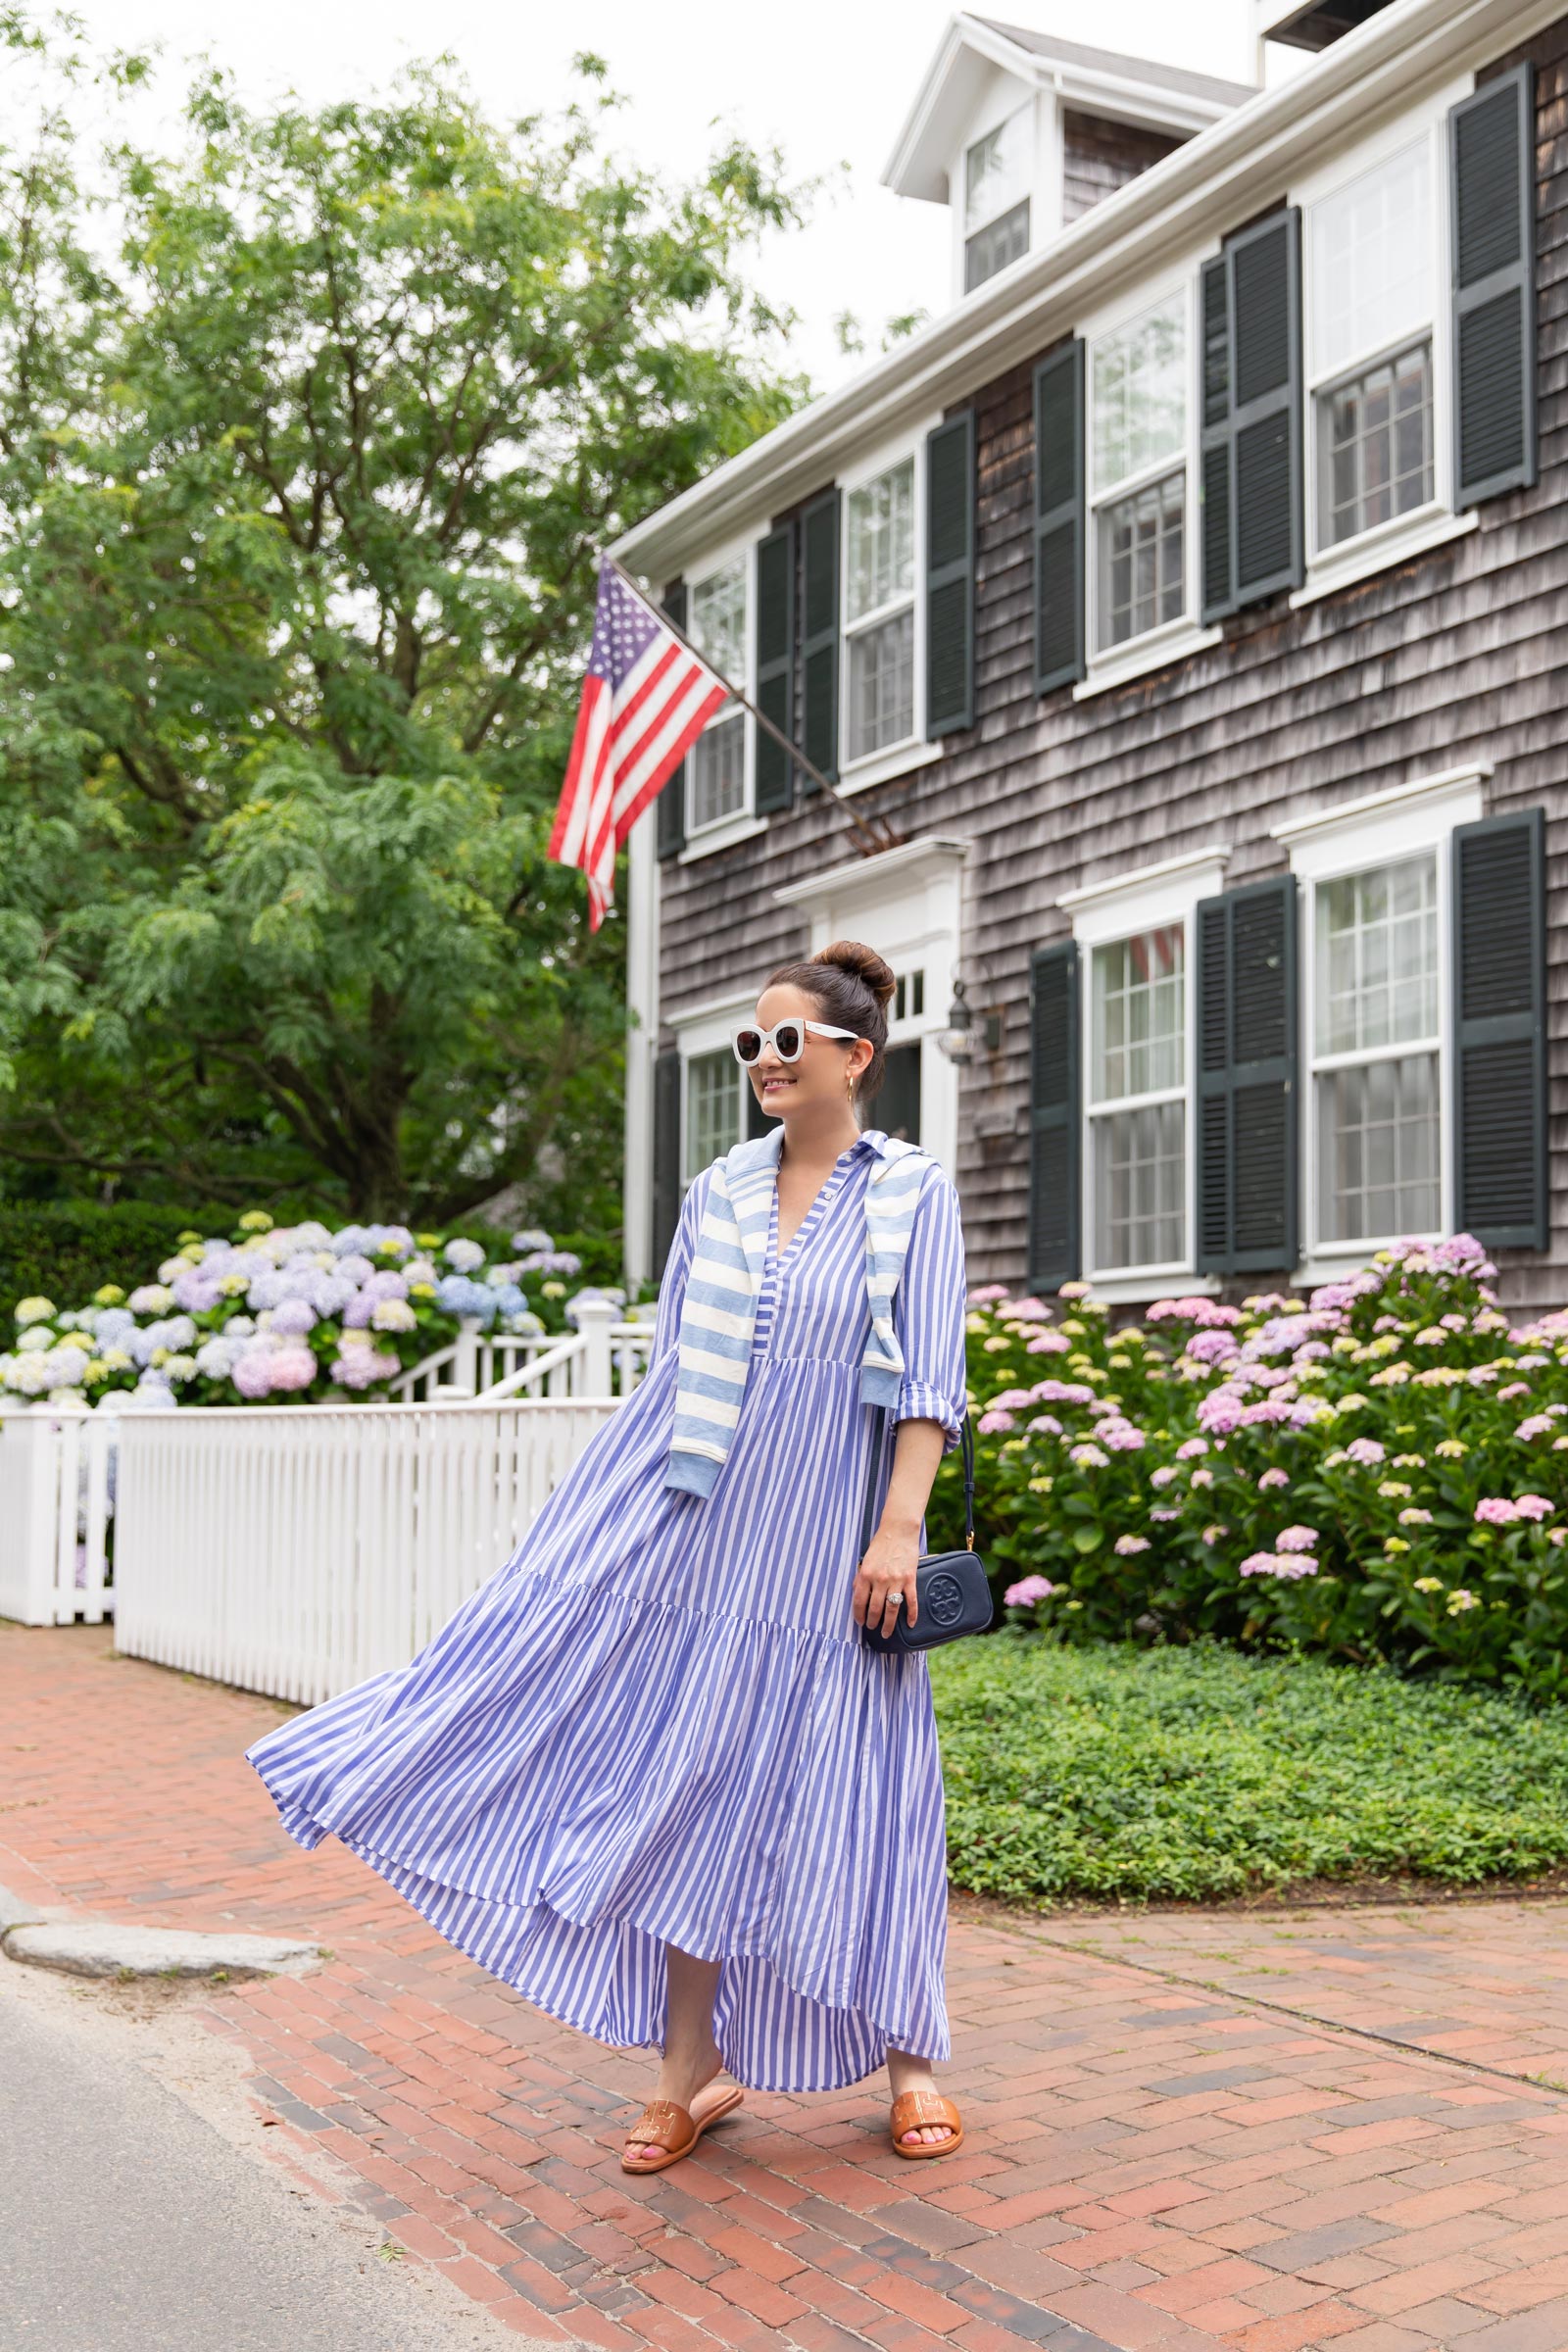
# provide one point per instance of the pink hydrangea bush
(1379, 1470)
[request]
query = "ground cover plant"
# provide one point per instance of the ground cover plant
(1202, 1772)
(1376, 1472)
(289, 1315)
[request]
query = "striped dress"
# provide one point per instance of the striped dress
(658, 1721)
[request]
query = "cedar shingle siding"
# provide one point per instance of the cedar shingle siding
(1460, 653)
(1100, 156)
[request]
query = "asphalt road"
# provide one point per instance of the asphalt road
(128, 2224)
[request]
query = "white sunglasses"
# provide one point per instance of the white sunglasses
(787, 1039)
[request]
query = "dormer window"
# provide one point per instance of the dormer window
(997, 171)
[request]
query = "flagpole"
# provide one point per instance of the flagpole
(868, 834)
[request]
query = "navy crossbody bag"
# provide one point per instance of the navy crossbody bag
(951, 1594)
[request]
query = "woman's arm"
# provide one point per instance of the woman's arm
(890, 1561)
(933, 1397)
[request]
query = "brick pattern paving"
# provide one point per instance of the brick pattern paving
(1154, 2159)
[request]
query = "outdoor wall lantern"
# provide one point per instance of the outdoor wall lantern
(957, 1038)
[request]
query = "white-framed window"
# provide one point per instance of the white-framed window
(1377, 1052)
(1138, 1100)
(880, 673)
(998, 175)
(718, 778)
(714, 1114)
(1135, 937)
(1376, 997)
(1140, 422)
(1377, 361)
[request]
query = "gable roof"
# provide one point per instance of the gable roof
(1125, 68)
(1130, 89)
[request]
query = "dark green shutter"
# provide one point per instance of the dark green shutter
(819, 736)
(1492, 207)
(949, 576)
(1055, 1118)
(1499, 1031)
(1252, 534)
(1216, 454)
(758, 1120)
(1059, 518)
(775, 667)
(1248, 1121)
(667, 1153)
(672, 792)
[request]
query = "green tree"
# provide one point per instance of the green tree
(310, 433)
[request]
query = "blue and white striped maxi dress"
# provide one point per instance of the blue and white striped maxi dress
(658, 1721)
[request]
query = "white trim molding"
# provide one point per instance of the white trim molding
(642, 1045)
(908, 902)
(1121, 904)
(1377, 828)
(1102, 913)
(1321, 841)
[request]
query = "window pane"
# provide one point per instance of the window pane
(998, 169)
(1141, 1186)
(881, 685)
(719, 773)
(1139, 393)
(1371, 259)
(1141, 560)
(1377, 957)
(1138, 1022)
(1375, 446)
(881, 537)
(712, 1108)
(1377, 1148)
(718, 619)
(992, 249)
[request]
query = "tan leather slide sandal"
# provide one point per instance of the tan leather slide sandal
(664, 2125)
(912, 2109)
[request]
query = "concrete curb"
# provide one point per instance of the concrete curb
(91, 1948)
(14, 1913)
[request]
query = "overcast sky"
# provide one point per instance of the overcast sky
(829, 81)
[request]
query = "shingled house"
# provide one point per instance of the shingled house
(1186, 604)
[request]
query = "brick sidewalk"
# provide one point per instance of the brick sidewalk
(1347, 2126)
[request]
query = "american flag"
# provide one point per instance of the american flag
(645, 700)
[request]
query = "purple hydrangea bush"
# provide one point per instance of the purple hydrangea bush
(286, 1314)
(1377, 1471)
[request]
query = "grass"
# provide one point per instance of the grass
(1198, 1773)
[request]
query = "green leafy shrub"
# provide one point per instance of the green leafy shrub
(1376, 1473)
(1202, 1772)
(68, 1249)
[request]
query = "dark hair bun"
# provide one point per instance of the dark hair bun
(861, 964)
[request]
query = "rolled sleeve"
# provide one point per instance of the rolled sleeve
(928, 1314)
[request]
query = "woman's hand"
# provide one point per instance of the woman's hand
(888, 1567)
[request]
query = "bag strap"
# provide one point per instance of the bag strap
(873, 1470)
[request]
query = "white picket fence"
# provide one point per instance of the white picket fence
(296, 1550)
(55, 1471)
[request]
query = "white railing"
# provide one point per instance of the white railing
(55, 1471)
(295, 1549)
(603, 1357)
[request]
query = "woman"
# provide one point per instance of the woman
(652, 1775)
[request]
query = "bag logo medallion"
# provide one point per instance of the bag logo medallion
(944, 1597)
